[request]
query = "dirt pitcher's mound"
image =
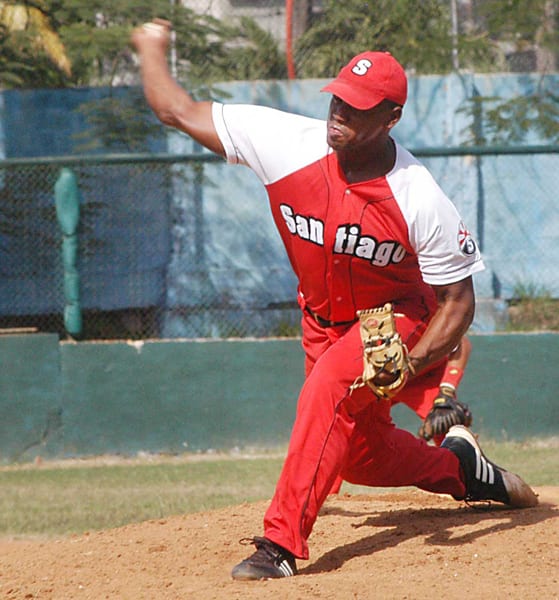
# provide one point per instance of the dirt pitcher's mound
(400, 545)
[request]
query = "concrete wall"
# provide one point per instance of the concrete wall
(79, 399)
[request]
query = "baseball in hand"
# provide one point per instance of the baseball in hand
(155, 27)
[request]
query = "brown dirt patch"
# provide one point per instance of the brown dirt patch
(405, 545)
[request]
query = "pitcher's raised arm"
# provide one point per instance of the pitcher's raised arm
(171, 103)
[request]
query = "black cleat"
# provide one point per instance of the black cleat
(484, 479)
(270, 561)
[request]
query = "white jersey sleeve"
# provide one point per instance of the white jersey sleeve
(271, 142)
(446, 251)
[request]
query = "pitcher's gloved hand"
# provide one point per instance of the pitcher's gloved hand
(385, 356)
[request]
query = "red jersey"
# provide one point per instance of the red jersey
(352, 246)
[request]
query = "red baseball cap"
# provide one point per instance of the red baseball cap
(368, 79)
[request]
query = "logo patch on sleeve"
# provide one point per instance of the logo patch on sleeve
(466, 241)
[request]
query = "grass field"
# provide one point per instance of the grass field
(60, 498)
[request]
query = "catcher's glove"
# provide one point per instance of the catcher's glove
(385, 356)
(446, 412)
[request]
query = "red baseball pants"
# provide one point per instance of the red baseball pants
(351, 435)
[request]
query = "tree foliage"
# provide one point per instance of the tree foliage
(85, 42)
(96, 34)
(517, 27)
(31, 51)
(521, 22)
(12, 68)
(66, 43)
(417, 33)
(119, 123)
(420, 34)
(253, 53)
(511, 121)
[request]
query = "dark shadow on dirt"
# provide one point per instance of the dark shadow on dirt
(440, 526)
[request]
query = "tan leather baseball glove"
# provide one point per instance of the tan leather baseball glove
(385, 356)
